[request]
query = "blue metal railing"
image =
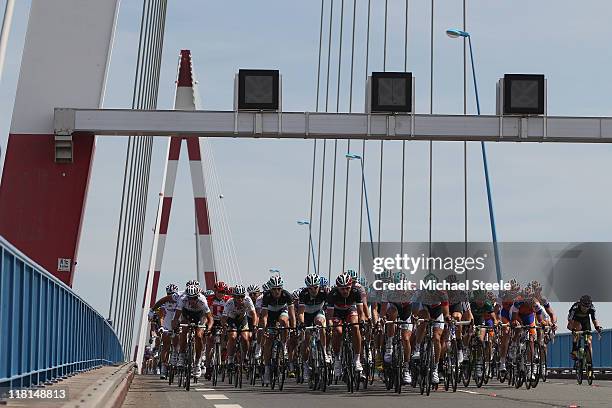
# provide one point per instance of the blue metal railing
(559, 351)
(47, 332)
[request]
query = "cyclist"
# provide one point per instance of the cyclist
(483, 312)
(236, 314)
(311, 303)
(434, 306)
(398, 305)
(216, 303)
(505, 302)
(362, 293)
(276, 307)
(168, 309)
(526, 310)
(459, 308)
(192, 307)
(344, 303)
(579, 318)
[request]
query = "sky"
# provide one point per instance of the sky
(541, 192)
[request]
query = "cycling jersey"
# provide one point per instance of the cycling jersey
(575, 313)
(233, 311)
(258, 303)
(217, 305)
(482, 313)
(169, 308)
(312, 305)
(339, 303)
(525, 312)
(273, 304)
(198, 304)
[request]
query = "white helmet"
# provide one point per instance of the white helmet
(192, 291)
(312, 280)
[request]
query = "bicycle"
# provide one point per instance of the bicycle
(278, 364)
(316, 360)
(368, 347)
(523, 359)
(349, 374)
(584, 359)
(451, 359)
(216, 355)
(427, 358)
(190, 355)
(235, 372)
(254, 366)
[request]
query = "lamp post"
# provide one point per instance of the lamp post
(455, 33)
(365, 193)
(314, 262)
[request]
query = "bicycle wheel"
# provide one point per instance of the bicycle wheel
(479, 363)
(536, 364)
(216, 363)
(529, 369)
(430, 362)
(466, 368)
(486, 363)
(578, 369)
(398, 361)
(322, 367)
(189, 369)
(447, 371)
(589, 366)
(543, 364)
(454, 365)
(349, 371)
(281, 367)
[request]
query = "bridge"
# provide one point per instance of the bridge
(52, 339)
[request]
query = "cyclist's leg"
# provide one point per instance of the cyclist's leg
(420, 330)
(389, 329)
(353, 317)
(231, 340)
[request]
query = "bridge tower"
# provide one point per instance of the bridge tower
(44, 182)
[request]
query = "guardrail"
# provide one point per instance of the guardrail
(47, 332)
(559, 351)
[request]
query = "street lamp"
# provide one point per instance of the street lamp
(365, 193)
(455, 33)
(314, 262)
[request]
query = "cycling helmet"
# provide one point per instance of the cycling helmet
(239, 290)
(398, 277)
(220, 286)
(344, 280)
(585, 300)
(171, 288)
(253, 289)
(352, 273)
(452, 278)
(266, 286)
(312, 280)
(296, 294)
(276, 282)
(192, 282)
(362, 281)
(209, 292)
(192, 291)
(324, 282)
(479, 295)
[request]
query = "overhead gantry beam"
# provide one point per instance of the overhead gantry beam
(304, 125)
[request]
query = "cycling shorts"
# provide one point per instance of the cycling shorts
(239, 324)
(309, 318)
(274, 316)
(191, 316)
(341, 315)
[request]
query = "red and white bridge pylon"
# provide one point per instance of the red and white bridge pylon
(185, 100)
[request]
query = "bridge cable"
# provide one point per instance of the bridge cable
(331, 15)
(348, 143)
(465, 174)
(160, 27)
(431, 79)
(380, 192)
(125, 258)
(314, 149)
(136, 194)
(404, 141)
(333, 201)
(363, 146)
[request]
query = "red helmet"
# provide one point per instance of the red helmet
(220, 286)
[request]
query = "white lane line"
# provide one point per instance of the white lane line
(227, 406)
(204, 389)
(215, 397)
(470, 392)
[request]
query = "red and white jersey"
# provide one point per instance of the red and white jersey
(232, 310)
(198, 304)
(217, 305)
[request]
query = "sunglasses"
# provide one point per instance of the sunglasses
(239, 297)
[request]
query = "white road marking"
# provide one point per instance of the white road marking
(470, 392)
(227, 406)
(204, 389)
(215, 397)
